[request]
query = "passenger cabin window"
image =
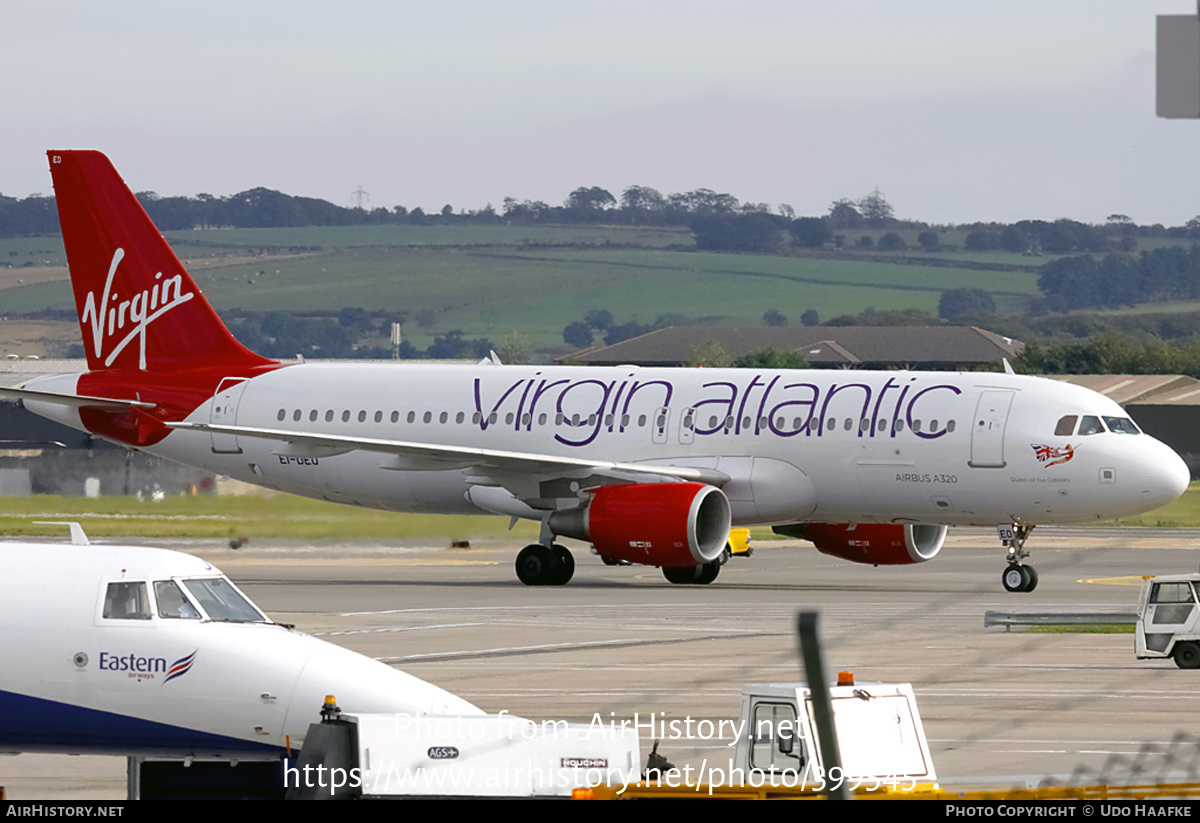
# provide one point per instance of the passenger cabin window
(1066, 425)
(1090, 425)
(172, 602)
(126, 601)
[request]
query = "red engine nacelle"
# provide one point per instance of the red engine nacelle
(881, 544)
(659, 524)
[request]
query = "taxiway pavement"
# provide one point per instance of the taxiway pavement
(620, 643)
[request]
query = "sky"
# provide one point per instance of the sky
(957, 112)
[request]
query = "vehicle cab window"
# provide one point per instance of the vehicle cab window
(126, 600)
(775, 745)
(1174, 602)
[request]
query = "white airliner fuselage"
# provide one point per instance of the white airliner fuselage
(829, 446)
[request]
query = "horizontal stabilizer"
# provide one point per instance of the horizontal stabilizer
(78, 401)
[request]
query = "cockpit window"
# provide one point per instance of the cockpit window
(126, 601)
(221, 601)
(1090, 425)
(1066, 425)
(172, 602)
(1121, 425)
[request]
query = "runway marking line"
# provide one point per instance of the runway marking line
(1132, 580)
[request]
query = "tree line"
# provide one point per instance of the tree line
(1120, 279)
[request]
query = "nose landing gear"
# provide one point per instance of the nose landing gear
(1017, 576)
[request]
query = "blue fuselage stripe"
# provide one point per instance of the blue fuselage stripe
(33, 724)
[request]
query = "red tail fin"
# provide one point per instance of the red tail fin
(138, 307)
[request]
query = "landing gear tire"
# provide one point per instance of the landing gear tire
(1033, 578)
(700, 575)
(680, 575)
(1019, 578)
(1187, 655)
(708, 572)
(566, 565)
(538, 566)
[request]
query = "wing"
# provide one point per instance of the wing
(522, 473)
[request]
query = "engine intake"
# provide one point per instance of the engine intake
(880, 544)
(659, 524)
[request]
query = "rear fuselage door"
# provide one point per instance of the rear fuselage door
(224, 412)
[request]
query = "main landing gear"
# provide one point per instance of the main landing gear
(538, 565)
(545, 563)
(701, 575)
(1017, 577)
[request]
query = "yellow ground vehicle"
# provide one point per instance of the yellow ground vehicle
(739, 543)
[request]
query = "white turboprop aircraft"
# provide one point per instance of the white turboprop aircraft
(137, 651)
(649, 465)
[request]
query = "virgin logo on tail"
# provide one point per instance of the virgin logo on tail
(113, 317)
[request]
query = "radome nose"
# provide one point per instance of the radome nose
(1164, 477)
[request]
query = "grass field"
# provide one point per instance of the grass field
(285, 516)
(1184, 512)
(234, 516)
(492, 280)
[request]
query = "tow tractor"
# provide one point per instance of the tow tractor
(1168, 623)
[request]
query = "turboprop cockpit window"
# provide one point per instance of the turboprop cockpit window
(1121, 425)
(126, 601)
(172, 602)
(221, 601)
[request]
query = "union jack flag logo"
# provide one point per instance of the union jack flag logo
(181, 667)
(1052, 455)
